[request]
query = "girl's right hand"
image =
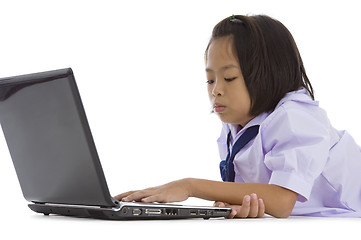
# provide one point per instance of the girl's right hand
(251, 207)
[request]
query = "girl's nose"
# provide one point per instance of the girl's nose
(217, 90)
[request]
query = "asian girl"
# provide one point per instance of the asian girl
(280, 154)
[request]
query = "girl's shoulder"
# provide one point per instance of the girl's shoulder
(297, 111)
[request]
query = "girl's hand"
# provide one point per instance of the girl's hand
(176, 191)
(251, 207)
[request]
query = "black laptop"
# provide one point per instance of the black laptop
(55, 158)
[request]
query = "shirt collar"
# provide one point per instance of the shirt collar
(235, 128)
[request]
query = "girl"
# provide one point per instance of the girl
(280, 155)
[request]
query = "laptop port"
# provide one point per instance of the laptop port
(137, 211)
(203, 212)
(171, 211)
(193, 212)
(153, 211)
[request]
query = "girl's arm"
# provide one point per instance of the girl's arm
(279, 201)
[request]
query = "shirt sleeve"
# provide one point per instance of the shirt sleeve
(296, 142)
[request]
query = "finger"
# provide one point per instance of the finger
(253, 211)
(232, 214)
(261, 208)
(136, 196)
(154, 198)
(219, 204)
(244, 211)
(122, 195)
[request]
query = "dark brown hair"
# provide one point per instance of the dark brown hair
(268, 56)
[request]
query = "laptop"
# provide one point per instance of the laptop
(55, 158)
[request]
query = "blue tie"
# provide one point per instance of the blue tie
(226, 166)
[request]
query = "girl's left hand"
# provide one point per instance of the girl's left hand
(251, 207)
(176, 191)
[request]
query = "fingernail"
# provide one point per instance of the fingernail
(125, 199)
(254, 196)
(247, 198)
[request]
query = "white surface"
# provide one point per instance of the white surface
(139, 67)
(36, 226)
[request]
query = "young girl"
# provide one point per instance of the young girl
(280, 155)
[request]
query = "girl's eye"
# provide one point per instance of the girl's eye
(210, 81)
(230, 79)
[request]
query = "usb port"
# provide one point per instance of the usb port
(193, 212)
(203, 212)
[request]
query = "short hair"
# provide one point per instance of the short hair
(268, 56)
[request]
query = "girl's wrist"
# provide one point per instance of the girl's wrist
(188, 183)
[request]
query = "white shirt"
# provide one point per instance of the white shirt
(298, 149)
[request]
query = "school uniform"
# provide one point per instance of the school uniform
(297, 148)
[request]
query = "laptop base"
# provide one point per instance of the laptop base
(129, 212)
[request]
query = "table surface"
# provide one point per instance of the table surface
(20, 221)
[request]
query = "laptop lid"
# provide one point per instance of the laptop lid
(49, 139)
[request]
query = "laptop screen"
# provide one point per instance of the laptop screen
(49, 139)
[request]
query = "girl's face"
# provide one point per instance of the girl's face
(226, 87)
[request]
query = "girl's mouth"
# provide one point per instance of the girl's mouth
(219, 108)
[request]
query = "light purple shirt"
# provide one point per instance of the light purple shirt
(298, 149)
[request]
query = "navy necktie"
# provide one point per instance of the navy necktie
(226, 166)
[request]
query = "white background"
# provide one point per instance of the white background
(140, 70)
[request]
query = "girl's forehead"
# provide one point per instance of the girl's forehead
(220, 50)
